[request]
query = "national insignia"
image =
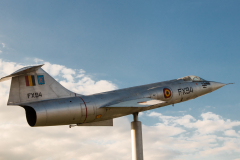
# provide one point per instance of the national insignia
(167, 93)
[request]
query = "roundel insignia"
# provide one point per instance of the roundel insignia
(167, 93)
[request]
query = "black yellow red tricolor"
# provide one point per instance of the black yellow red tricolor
(30, 80)
(167, 93)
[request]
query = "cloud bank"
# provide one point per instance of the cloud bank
(76, 80)
(208, 136)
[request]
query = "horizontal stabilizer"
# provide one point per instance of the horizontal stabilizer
(142, 102)
(22, 71)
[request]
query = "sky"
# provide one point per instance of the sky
(96, 46)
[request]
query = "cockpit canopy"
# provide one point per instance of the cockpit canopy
(192, 78)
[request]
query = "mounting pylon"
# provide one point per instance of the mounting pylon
(136, 133)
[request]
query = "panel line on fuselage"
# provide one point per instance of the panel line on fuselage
(85, 107)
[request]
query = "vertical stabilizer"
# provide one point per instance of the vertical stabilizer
(31, 84)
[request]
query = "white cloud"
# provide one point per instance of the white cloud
(231, 133)
(172, 137)
(52, 69)
(36, 60)
(76, 80)
(198, 136)
(140, 114)
(0, 51)
(8, 67)
(212, 123)
(3, 44)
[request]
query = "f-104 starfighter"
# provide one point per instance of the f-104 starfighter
(48, 103)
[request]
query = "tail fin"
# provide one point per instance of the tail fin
(32, 84)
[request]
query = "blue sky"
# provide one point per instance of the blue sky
(130, 43)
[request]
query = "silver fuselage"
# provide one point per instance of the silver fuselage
(86, 109)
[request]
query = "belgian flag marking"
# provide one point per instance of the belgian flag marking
(30, 80)
(167, 93)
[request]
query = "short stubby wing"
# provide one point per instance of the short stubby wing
(142, 102)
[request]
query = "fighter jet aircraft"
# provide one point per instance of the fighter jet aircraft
(48, 103)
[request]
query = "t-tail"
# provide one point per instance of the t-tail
(32, 84)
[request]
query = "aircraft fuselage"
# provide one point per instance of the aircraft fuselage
(94, 108)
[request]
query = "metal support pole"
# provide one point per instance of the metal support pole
(136, 133)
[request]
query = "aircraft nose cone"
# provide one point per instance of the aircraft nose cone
(216, 85)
